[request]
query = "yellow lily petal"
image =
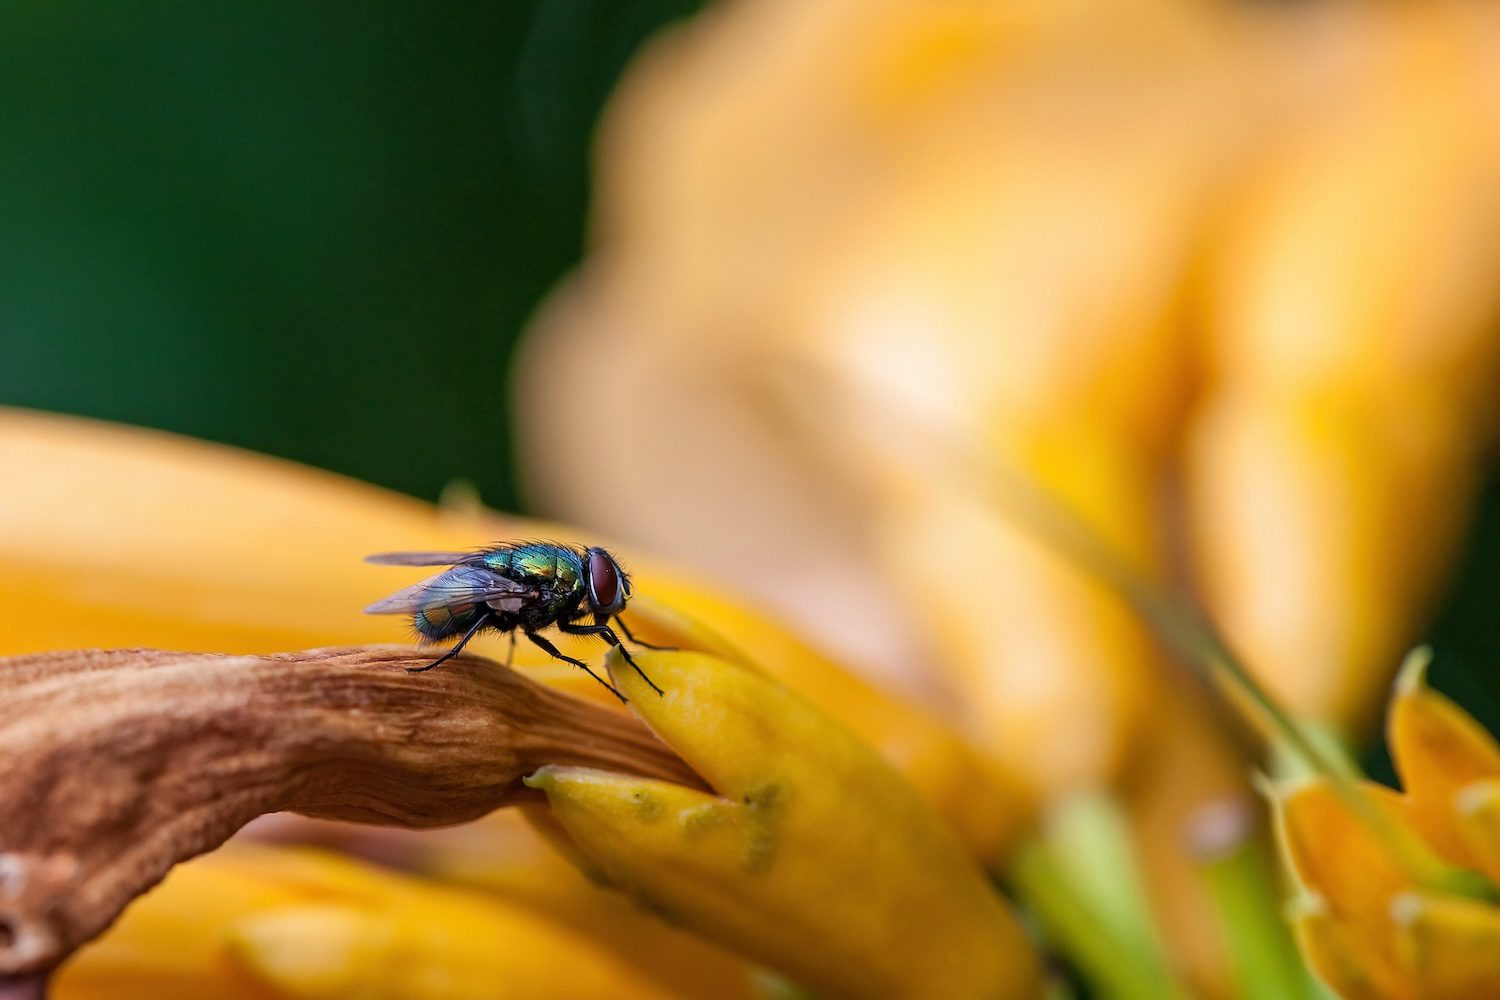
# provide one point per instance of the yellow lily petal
(326, 950)
(1451, 945)
(125, 537)
(439, 947)
(817, 859)
(1345, 960)
(1337, 857)
(1477, 821)
(1438, 750)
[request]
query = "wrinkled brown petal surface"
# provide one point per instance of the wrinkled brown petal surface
(117, 764)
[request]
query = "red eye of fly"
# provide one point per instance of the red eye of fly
(604, 582)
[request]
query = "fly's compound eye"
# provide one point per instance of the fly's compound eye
(604, 582)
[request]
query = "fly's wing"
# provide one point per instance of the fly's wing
(420, 558)
(458, 586)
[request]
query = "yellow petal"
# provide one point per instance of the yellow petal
(1359, 256)
(171, 942)
(266, 922)
(439, 944)
(1351, 330)
(1301, 513)
(1439, 750)
(1055, 671)
(126, 537)
(1346, 961)
(1337, 858)
(1477, 823)
(815, 858)
(1450, 945)
(320, 950)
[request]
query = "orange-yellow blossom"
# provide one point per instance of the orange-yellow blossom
(1369, 926)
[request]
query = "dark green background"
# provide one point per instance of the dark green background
(315, 230)
(311, 229)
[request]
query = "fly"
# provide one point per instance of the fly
(516, 586)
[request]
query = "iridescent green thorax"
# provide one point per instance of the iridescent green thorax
(542, 562)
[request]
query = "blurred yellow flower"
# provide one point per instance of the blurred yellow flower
(1218, 276)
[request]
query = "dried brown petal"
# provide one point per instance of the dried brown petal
(115, 765)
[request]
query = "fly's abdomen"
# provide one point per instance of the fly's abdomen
(440, 621)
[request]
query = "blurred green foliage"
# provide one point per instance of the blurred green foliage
(313, 230)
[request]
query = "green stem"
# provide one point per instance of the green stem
(1114, 957)
(1242, 885)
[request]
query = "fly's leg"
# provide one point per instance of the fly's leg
(608, 635)
(473, 630)
(510, 657)
(552, 650)
(626, 629)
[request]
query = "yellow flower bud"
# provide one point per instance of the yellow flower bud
(815, 857)
(982, 800)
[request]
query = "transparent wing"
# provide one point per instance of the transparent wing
(420, 558)
(459, 585)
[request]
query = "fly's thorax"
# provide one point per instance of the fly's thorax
(539, 563)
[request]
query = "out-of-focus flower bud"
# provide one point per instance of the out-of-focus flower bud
(1322, 526)
(1350, 328)
(815, 857)
(1056, 671)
